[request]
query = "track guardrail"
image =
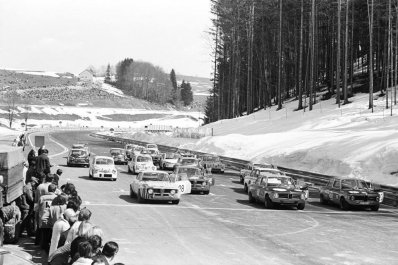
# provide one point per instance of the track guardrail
(390, 193)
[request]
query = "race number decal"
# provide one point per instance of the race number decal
(181, 187)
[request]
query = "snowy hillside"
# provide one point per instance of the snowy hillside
(346, 141)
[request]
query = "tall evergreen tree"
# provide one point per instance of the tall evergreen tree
(186, 93)
(173, 80)
(108, 74)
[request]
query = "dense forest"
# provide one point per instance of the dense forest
(268, 51)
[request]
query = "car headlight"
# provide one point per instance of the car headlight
(204, 183)
(353, 192)
(153, 168)
(302, 196)
(114, 171)
(96, 171)
(276, 195)
(352, 198)
(150, 191)
(172, 192)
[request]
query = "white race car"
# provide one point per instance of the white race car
(141, 163)
(102, 167)
(155, 186)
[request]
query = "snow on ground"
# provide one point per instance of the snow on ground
(108, 88)
(45, 73)
(346, 141)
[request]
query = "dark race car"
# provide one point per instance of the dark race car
(349, 193)
(78, 157)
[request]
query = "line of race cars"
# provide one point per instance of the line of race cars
(264, 183)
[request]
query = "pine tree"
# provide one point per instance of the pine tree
(186, 93)
(173, 80)
(108, 74)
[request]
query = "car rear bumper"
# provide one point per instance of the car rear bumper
(101, 175)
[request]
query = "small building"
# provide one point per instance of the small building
(86, 76)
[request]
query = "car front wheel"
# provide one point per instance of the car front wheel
(301, 206)
(322, 199)
(268, 203)
(374, 208)
(251, 198)
(343, 204)
(139, 198)
(175, 202)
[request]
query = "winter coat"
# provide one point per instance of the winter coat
(25, 201)
(42, 164)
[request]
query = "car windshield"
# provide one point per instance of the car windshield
(152, 151)
(188, 161)
(212, 159)
(151, 146)
(78, 146)
(276, 180)
(170, 156)
(143, 159)
(353, 184)
(263, 165)
(103, 161)
(78, 153)
(117, 151)
(189, 171)
(155, 176)
(139, 148)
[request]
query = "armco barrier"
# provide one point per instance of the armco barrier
(317, 180)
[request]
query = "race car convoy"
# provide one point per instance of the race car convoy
(263, 182)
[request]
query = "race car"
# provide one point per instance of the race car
(78, 157)
(141, 163)
(255, 173)
(212, 163)
(102, 167)
(350, 193)
(129, 149)
(81, 146)
(187, 161)
(200, 181)
(168, 160)
(155, 186)
(119, 155)
(251, 166)
(274, 189)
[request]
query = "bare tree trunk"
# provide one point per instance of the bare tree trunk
(249, 92)
(280, 58)
(352, 48)
(346, 55)
(387, 64)
(312, 53)
(370, 15)
(396, 56)
(300, 74)
(338, 52)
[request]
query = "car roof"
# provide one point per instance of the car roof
(264, 169)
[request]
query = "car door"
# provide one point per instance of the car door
(135, 183)
(184, 185)
(262, 188)
(335, 191)
(255, 188)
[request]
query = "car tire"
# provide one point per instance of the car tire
(241, 180)
(251, 198)
(128, 169)
(375, 208)
(245, 188)
(206, 192)
(90, 175)
(268, 203)
(132, 194)
(343, 204)
(139, 198)
(134, 171)
(300, 206)
(68, 164)
(175, 202)
(322, 200)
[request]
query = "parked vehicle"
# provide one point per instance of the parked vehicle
(350, 193)
(119, 155)
(78, 157)
(151, 146)
(155, 186)
(141, 163)
(102, 167)
(274, 189)
(249, 167)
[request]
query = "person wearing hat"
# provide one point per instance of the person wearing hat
(26, 205)
(60, 229)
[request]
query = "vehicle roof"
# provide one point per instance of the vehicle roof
(78, 149)
(264, 169)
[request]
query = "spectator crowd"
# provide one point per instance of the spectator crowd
(54, 216)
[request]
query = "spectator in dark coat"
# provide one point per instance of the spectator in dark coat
(31, 156)
(43, 164)
(26, 202)
(31, 172)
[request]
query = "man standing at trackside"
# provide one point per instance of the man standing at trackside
(25, 203)
(43, 164)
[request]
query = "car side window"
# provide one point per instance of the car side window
(336, 184)
(258, 181)
(264, 181)
(330, 183)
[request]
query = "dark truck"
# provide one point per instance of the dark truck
(11, 188)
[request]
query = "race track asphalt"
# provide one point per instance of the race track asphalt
(222, 227)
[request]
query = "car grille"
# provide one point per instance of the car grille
(365, 198)
(161, 192)
(289, 195)
(197, 182)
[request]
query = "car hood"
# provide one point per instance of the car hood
(198, 177)
(170, 160)
(361, 191)
(285, 188)
(159, 184)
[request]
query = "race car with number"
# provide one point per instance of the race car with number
(140, 163)
(155, 186)
(119, 155)
(168, 160)
(199, 180)
(274, 189)
(350, 193)
(249, 167)
(78, 157)
(255, 173)
(212, 163)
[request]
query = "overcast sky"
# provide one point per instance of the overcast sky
(65, 35)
